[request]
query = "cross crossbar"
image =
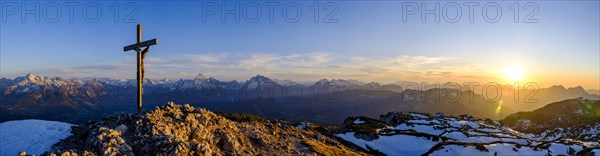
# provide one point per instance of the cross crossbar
(143, 44)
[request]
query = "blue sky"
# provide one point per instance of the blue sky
(369, 42)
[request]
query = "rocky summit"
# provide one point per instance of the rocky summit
(175, 129)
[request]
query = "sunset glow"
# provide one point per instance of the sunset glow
(514, 73)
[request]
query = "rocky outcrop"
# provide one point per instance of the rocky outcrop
(365, 128)
(184, 130)
(110, 142)
(395, 118)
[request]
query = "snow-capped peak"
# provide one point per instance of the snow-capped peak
(259, 81)
(29, 78)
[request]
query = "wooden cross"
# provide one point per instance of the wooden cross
(140, 61)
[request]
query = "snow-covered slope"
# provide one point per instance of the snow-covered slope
(569, 115)
(31, 136)
(417, 134)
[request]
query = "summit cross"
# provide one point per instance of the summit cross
(140, 61)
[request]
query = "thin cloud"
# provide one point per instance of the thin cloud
(298, 67)
(404, 61)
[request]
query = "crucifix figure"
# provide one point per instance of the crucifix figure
(141, 54)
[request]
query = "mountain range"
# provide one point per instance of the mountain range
(78, 100)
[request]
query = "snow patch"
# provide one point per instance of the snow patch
(31, 136)
(358, 121)
(393, 145)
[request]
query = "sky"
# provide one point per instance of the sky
(549, 43)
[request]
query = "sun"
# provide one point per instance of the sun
(514, 73)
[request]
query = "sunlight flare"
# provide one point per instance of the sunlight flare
(514, 73)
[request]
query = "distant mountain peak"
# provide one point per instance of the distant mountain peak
(577, 91)
(259, 81)
(373, 85)
(259, 77)
(322, 81)
(558, 87)
(29, 78)
(30, 75)
(200, 76)
(578, 88)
